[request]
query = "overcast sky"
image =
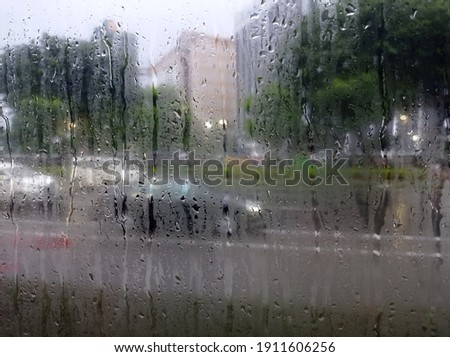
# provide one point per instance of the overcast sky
(156, 22)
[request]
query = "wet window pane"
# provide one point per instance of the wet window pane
(240, 168)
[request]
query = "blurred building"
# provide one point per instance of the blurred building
(261, 37)
(203, 68)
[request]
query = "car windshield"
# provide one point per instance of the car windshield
(226, 168)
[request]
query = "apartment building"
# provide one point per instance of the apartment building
(261, 37)
(203, 68)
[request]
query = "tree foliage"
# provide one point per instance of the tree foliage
(352, 65)
(78, 95)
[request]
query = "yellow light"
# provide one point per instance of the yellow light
(403, 117)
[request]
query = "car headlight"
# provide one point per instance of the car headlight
(27, 181)
(37, 181)
(48, 180)
(252, 207)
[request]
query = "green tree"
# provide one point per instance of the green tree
(274, 115)
(354, 64)
(93, 81)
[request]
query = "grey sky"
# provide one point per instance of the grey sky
(156, 22)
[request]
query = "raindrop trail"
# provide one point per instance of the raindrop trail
(11, 197)
(68, 88)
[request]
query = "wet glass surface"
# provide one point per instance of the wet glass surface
(262, 169)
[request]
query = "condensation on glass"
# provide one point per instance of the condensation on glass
(304, 149)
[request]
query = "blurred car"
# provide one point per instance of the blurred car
(26, 191)
(198, 209)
